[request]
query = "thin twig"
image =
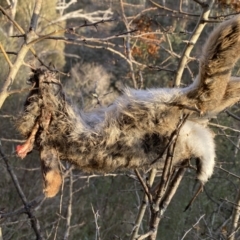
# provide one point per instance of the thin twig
(5, 55)
(193, 39)
(34, 221)
(128, 45)
(185, 234)
(31, 205)
(162, 192)
(96, 216)
(173, 186)
(69, 211)
(143, 206)
(144, 185)
(144, 236)
(232, 115)
(35, 16)
(224, 170)
(20, 56)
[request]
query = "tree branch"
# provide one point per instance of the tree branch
(34, 221)
(193, 39)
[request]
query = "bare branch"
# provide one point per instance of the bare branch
(193, 39)
(90, 17)
(128, 45)
(142, 209)
(5, 55)
(185, 234)
(145, 187)
(21, 54)
(69, 211)
(31, 205)
(235, 218)
(34, 221)
(96, 216)
(35, 15)
(224, 170)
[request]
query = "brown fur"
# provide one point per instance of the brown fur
(134, 131)
(52, 176)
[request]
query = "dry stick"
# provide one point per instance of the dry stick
(232, 115)
(3, 95)
(106, 47)
(21, 54)
(200, 189)
(18, 27)
(144, 185)
(141, 14)
(172, 10)
(223, 127)
(165, 202)
(12, 74)
(206, 9)
(34, 222)
(143, 206)
(166, 170)
(13, 10)
(128, 45)
(35, 16)
(68, 30)
(148, 196)
(156, 211)
(144, 236)
(172, 188)
(100, 40)
(32, 204)
(235, 218)
(185, 234)
(170, 192)
(96, 216)
(15, 24)
(69, 211)
(5, 55)
(60, 212)
(48, 36)
(226, 171)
